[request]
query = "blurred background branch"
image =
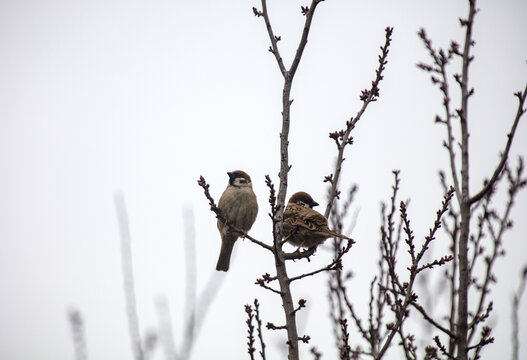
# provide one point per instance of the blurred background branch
(128, 277)
(514, 314)
(78, 333)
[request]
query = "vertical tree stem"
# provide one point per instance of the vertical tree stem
(464, 275)
(281, 270)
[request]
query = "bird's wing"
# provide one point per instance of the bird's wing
(305, 217)
(315, 220)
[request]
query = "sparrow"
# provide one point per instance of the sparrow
(303, 226)
(239, 207)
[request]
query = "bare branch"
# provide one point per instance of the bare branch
(345, 349)
(272, 326)
(303, 40)
(308, 12)
(504, 156)
(279, 204)
(301, 304)
(343, 137)
(335, 264)
(400, 307)
(431, 236)
(516, 182)
(442, 348)
(259, 328)
(432, 321)
(266, 279)
(274, 39)
(343, 292)
(485, 340)
(464, 197)
(408, 344)
(250, 330)
(441, 60)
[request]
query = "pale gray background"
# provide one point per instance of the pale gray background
(144, 96)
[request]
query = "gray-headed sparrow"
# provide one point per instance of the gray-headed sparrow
(239, 207)
(303, 226)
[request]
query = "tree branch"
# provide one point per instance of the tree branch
(464, 276)
(274, 39)
(278, 210)
(343, 137)
(440, 61)
(303, 40)
(432, 321)
(489, 185)
(335, 264)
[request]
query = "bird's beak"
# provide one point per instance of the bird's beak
(314, 204)
(231, 175)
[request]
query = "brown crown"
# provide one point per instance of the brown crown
(302, 197)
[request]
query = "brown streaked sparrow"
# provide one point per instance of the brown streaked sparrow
(239, 207)
(303, 226)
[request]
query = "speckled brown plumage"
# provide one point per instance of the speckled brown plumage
(303, 226)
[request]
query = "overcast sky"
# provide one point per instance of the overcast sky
(142, 97)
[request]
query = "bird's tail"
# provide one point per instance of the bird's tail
(334, 234)
(225, 255)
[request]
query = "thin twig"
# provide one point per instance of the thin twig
(259, 328)
(432, 321)
(250, 331)
(401, 306)
(516, 182)
(504, 156)
(343, 137)
(335, 264)
(274, 39)
(441, 60)
(345, 349)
